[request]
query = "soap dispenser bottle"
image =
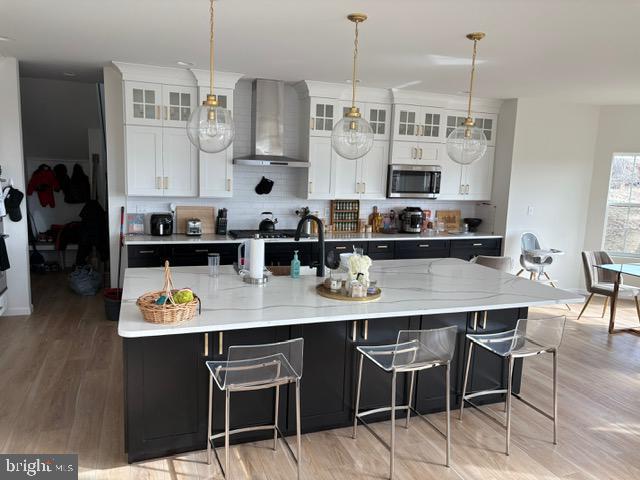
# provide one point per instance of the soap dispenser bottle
(295, 265)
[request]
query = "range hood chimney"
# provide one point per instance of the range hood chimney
(267, 127)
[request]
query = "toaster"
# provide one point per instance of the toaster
(194, 226)
(161, 224)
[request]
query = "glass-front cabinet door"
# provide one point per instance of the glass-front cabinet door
(143, 103)
(406, 122)
(324, 115)
(430, 129)
(178, 103)
(378, 116)
(486, 121)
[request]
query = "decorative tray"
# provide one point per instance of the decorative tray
(327, 293)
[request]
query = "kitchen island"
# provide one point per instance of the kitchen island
(164, 365)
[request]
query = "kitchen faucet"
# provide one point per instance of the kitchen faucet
(321, 259)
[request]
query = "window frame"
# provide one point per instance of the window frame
(627, 205)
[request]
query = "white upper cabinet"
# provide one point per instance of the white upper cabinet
(160, 162)
(324, 115)
(485, 121)
(346, 183)
(417, 124)
(373, 170)
(143, 155)
(379, 117)
(177, 105)
(143, 103)
(319, 184)
(478, 177)
(179, 164)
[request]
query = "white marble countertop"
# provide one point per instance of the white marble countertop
(409, 287)
(330, 237)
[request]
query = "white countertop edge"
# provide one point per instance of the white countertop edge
(381, 237)
(183, 328)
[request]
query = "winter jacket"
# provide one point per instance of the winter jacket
(45, 183)
(79, 188)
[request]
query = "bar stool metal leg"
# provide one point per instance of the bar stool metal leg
(466, 379)
(411, 384)
(448, 401)
(555, 397)
(359, 383)
(210, 420)
(226, 433)
(509, 384)
(393, 424)
(275, 419)
(298, 433)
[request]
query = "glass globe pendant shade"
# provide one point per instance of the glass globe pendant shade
(352, 137)
(466, 144)
(211, 128)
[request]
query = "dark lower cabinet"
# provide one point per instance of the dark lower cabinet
(407, 249)
(146, 255)
(166, 380)
(282, 253)
(467, 249)
(381, 250)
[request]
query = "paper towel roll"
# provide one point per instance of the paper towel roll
(256, 258)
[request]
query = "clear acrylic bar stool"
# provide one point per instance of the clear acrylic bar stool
(414, 350)
(255, 367)
(530, 337)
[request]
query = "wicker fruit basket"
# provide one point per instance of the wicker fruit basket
(169, 312)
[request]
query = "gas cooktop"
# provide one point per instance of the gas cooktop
(274, 234)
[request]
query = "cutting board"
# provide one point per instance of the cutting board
(206, 214)
(451, 219)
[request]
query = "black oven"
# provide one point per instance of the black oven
(414, 181)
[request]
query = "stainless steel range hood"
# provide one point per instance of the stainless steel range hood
(267, 127)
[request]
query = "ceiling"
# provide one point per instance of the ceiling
(575, 50)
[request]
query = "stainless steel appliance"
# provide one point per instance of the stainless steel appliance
(414, 181)
(161, 224)
(274, 234)
(194, 227)
(411, 220)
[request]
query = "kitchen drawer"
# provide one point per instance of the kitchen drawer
(282, 253)
(145, 255)
(467, 249)
(424, 248)
(194, 255)
(381, 250)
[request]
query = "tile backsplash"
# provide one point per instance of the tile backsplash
(287, 196)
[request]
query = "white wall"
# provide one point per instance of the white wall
(553, 151)
(502, 163)
(618, 132)
(56, 115)
(12, 161)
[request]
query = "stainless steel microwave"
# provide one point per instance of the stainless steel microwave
(414, 181)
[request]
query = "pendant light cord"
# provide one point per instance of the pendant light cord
(355, 67)
(473, 75)
(211, 23)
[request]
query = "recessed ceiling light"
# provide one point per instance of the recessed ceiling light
(5, 39)
(185, 64)
(70, 74)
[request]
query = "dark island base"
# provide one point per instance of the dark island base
(166, 381)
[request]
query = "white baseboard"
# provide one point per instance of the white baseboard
(11, 312)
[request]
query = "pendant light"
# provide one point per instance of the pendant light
(467, 143)
(210, 127)
(352, 136)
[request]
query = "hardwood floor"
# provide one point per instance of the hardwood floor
(61, 391)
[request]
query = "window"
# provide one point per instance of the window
(622, 230)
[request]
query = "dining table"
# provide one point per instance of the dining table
(620, 269)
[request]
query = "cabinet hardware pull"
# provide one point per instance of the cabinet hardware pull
(202, 250)
(420, 153)
(365, 330)
(364, 188)
(206, 344)
(353, 330)
(165, 183)
(220, 343)
(310, 187)
(146, 251)
(158, 183)
(424, 245)
(477, 244)
(466, 190)
(312, 123)
(358, 187)
(382, 246)
(228, 184)
(341, 248)
(484, 319)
